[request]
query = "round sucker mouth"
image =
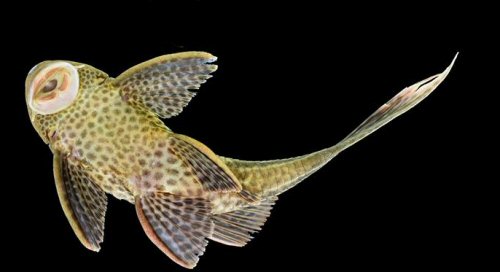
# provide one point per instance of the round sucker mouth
(53, 88)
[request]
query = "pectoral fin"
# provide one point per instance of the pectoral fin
(178, 226)
(164, 84)
(83, 202)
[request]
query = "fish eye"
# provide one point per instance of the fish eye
(53, 88)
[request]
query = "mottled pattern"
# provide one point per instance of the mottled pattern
(235, 228)
(130, 147)
(110, 139)
(85, 203)
(178, 225)
(163, 85)
(212, 176)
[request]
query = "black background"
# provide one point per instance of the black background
(292, 79)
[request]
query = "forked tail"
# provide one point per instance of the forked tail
(270, 178)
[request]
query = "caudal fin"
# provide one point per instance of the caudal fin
(399, 104)
(269, 178)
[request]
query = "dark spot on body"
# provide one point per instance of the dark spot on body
(171, 182)
(91, 156)
(173, 172)
(171, 160)
(158, 176)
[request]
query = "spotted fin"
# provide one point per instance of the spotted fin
(235, 228)
(164, 84)
(178, 226)
(210, 171)
(83, 202)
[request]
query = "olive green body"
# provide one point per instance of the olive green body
(125, 149)
(107, 138)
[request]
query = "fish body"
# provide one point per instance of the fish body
(107, 138)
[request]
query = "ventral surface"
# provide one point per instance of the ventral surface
(108, 139)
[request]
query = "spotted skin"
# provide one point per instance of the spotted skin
(178, 225)
(110, 139)
(214, 178)
(162, 84)
(82, 200)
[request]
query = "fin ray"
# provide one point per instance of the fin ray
(177, 225)
(236, 228)
(211, 172)
(165, 84)
(83, 202)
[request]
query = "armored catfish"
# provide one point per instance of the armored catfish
(107, 138)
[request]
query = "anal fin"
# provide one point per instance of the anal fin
(177, 225)
(236, 228)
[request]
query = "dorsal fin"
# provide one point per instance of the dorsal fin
(165, 84)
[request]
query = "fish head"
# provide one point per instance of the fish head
(53, 87)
